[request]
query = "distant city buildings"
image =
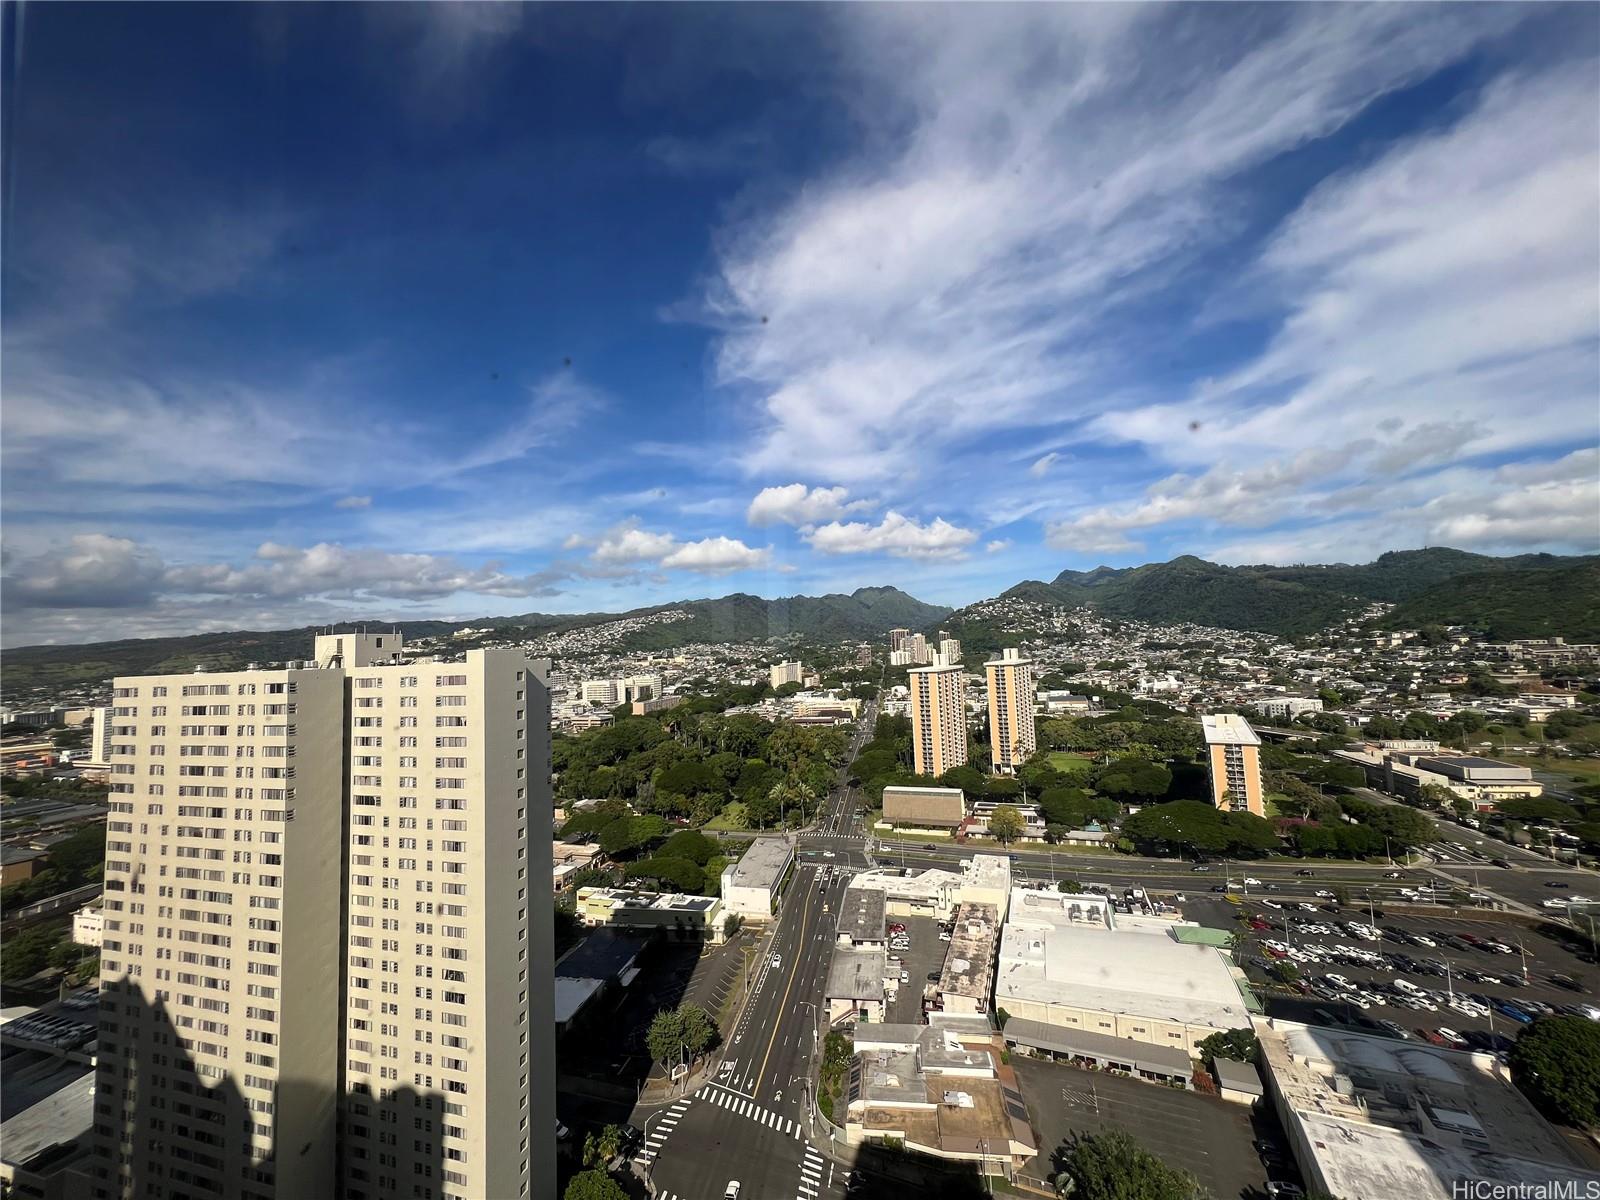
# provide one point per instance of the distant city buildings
(786, 672)
(949, 648)
(938, 719)
(1287, 708)
(1233, 752)
(319, 931)
(1011, 732)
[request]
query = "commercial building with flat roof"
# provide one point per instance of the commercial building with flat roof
(1372, 1116)
(938, 809)
(1070, 962)
(938, 1089)
(1161, 1064)
(46, 1125)
(935, 892)
(966, 981)
(1233, 751)
(861, 917)
(750, 886)
(678, 916)
(855, 986)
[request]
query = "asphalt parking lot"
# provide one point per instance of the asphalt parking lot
(925, 956)
(1206, 1136)
(1520, 981)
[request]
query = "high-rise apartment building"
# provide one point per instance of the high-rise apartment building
(1233, 750)
(100, 736)
(600, 691)
(1011, 733)
(326, 968)
(949, 649)
(938, 719)
(897, 639)
(786, 672)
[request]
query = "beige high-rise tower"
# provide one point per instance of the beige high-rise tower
(1011, 733)
(1233, 750)
(938, 718)
(330, 972)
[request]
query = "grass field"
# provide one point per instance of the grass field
(730, 818)
(1565, 768)
(1069, 763)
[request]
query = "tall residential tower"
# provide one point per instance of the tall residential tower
(1011, 733)
(1233, 750)
(326, 969)
(938, 718)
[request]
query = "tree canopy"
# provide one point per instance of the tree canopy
(1005, 824)
(1240, 1045)
(1556, 1063)
(593, 1185)
(1115, 1166)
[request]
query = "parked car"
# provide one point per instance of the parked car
(1566, 981)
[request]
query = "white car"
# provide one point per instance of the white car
(777, 961)
(1250, 881)
(732, 1192)
(1272, 904)
(1324, 894)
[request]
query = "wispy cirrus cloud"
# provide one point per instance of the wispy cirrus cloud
(957, 279)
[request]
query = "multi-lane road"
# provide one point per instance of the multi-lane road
(751, 1122)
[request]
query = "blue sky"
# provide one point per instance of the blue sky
(388, 310)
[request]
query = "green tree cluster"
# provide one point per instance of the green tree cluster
(1195, 827)
(1115, 1166)
(681, 1034)
(1556, 1063)
(1241, 1045)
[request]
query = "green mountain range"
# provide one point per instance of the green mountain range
(864, 613)
(1527, 595)
(1530, 595)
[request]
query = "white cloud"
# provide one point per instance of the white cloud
(896, 535)
(792, 504)
(630, 544)
(353, 502)
(627, 548)
(997, 545)
(715, 556)
(1042, 465)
